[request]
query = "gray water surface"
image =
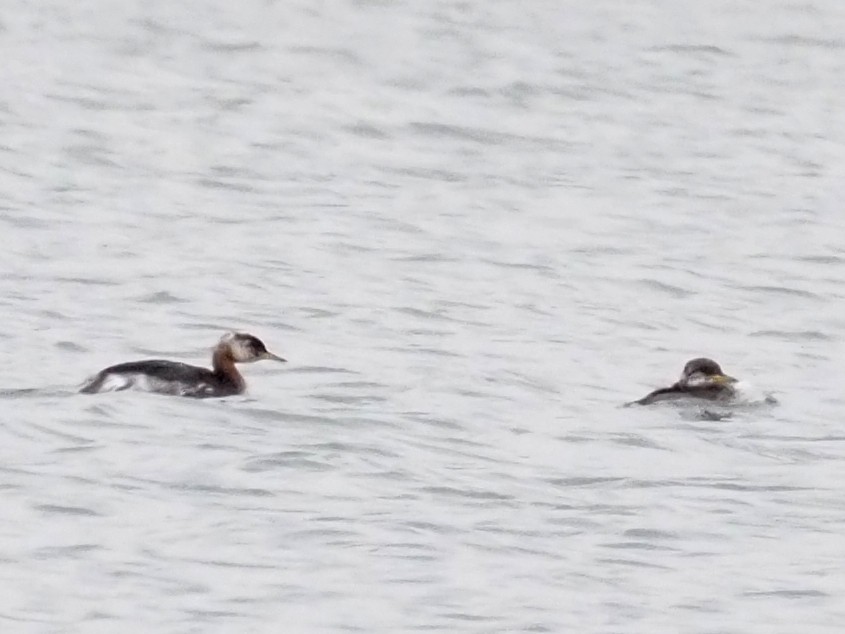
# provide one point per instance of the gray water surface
(475, 229)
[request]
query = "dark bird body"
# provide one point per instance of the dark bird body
(701, 379)
(181, 379)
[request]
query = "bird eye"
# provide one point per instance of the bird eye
(258, 346)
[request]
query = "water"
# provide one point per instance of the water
(475, 229)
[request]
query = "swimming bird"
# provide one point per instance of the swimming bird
(701, 378)
(181, 379)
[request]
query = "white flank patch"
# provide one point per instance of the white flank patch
(114, 382)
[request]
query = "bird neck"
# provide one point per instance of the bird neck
(224, 366)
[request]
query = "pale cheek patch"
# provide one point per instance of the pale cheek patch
(697, 379)
(242, 351)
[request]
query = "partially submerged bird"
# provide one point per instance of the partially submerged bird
(181, 379)
(701, 379)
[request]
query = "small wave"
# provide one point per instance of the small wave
(36, 392)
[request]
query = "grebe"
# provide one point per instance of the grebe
(181, 379)
(702, 378)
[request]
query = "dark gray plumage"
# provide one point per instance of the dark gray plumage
(701, 378)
